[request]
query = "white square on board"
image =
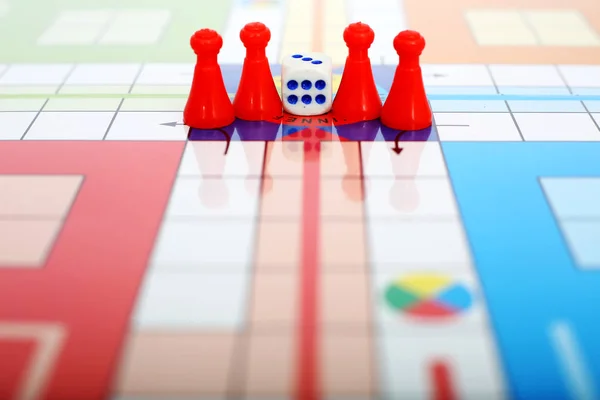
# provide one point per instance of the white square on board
(458, 292)
(192, 300)
(596, 118)
(36, 74)
(415, 159)
(70, 126)
(104, 74)
(147, 126)
(456, 75)
(583, 238)
(214, 198)
(14, 124)
(476, 127)
(581, 75)
(200, 245)
(208, 159)
(557, 127)
(387, 198)
(526, 75)
(417, 242)
(166, 74)
(573, 197)
(472, 360)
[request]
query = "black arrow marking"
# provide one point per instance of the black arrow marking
(435, 75)
(397, 149)
(171, 124)
(227, 139)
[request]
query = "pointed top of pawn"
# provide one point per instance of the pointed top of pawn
(206, 42)
(255, 34)
(409, 42)
(359, 36)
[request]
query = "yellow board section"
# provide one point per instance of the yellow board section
(426, 285)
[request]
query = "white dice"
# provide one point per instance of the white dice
(306, 84)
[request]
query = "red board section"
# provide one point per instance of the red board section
(91, 277)
(14, 359)
(443, 388)
(307, 381)
(429, 309)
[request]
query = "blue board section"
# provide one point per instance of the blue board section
(456, 297)
(528, 276)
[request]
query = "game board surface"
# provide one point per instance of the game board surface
(305, 258)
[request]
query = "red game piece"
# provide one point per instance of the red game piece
(208, 106)
(406, 107)
(357, 98)
(257, 98)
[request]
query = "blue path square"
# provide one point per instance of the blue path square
(541, 105)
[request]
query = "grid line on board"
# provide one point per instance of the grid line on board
(112, 121)
(376, 330)
(562, 77)
(4, 71)
(241, 348)
(487, 66)
(489, 329)
(147, 133)
(34, 119)
(114, 117)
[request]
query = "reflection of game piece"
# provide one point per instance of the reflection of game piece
(257, 98)
(357, 98)
(306, 84)
(352, 180)
(208, 105)
(406, 107)
(249, 132)
(404, 195)
(212, 190)
(365, 131)
(213, 193)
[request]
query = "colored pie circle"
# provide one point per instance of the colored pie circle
(428, 296)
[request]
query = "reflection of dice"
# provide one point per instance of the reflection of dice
(306, 84)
